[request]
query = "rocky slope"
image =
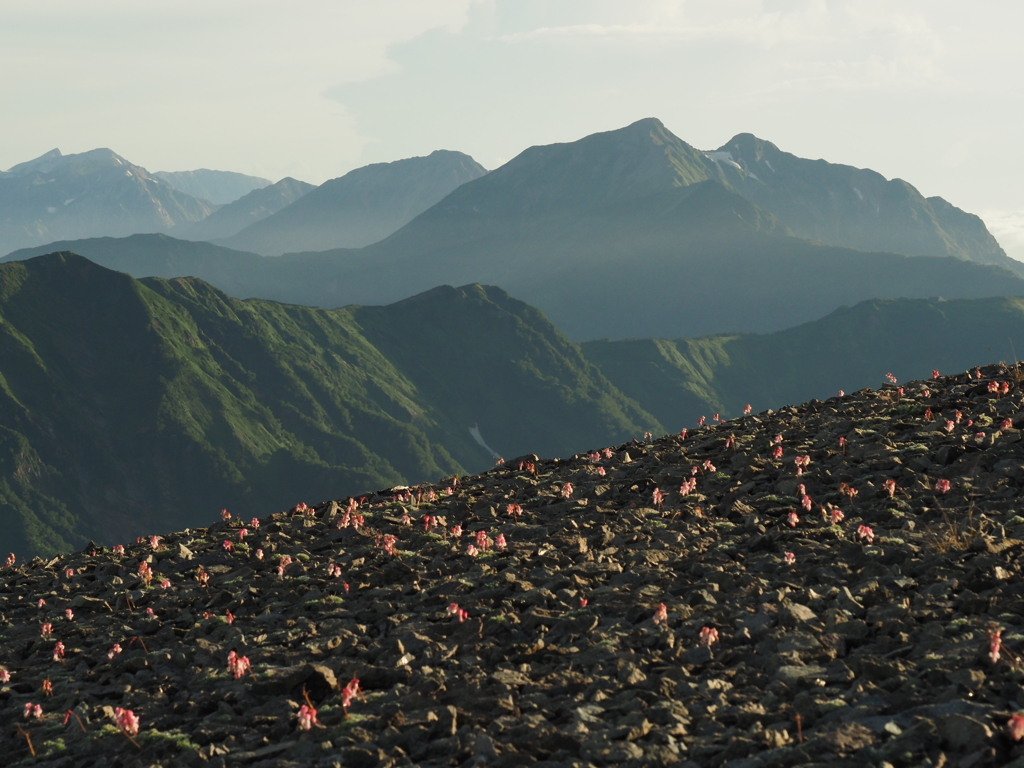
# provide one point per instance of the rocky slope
(870, 617)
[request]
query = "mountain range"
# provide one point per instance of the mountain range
(627, 234)
(56, 197)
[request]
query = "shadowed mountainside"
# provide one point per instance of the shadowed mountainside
(138, 405)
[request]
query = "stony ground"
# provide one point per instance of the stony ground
(788, 636)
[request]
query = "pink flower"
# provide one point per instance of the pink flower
(259, 554)
(567, 491)
(126, 721)
(70, 572)
(350, 692)
(1016, 727)
(890, 487)
(837, 516)
(58, 651)
(283, 563)
(482, 542)
(119, 550)
(926, 393)
(500, 542)
(841, 393)
(456, 531)
(806, 502)
(583, 604)
(708, 466)
(238, 666)
(790, 558)
(708, 636)
(307, 717)
(228, 546)
(46, 630)
(942, 486)
(700, 421)
(33, 710)
(254, 523)
(471, 551)
(242, 533)
(657, 497)
(1005, 424)
(69, 614)
(5, 676)
(150, 613)
(682, 434)
(453, 609)
(777, 452)
(995, 642)
(601, 471)
(891, 379)
(607, 452)
(747, 409)
(979, 437)
(792, 518)
(661, 614)
(116, 649)
(154, 542)
(935, 374)
(865, 532)
(41, 603)
(730, 442)
(165, 583)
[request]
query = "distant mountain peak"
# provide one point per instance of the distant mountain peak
(44, 161)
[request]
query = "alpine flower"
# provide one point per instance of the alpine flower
(836, 516)
(307, 717)
(790, 558)
(890, 487)
(5, 676)
(747, 409)
(792, 518)
(865, 532)
(942, 486)
(500, 542)
(69, 614)
(126, 721)
(661, 614)
(33, 710)
(283, 563)
(116, 649)
(935, 374)
(118, 550)
(708, 636)
(58, 651)
(1016, 727)
(567, 491)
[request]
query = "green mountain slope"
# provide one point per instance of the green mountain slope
(854, 207)
(361, 207)
(128, 406)
(854, 347)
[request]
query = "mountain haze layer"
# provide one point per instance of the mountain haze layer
(361, 207)
(219, 187)
(255, 206)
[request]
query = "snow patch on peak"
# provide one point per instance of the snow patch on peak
(724, 157)
(858, 193)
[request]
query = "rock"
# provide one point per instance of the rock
(964, 733)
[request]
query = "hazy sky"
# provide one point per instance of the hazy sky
(927, 90)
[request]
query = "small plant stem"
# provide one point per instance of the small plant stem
(28, 739)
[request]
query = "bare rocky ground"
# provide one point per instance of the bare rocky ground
(855, 650)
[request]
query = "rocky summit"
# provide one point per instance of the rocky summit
(831, 584)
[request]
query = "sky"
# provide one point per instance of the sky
(925, 90)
